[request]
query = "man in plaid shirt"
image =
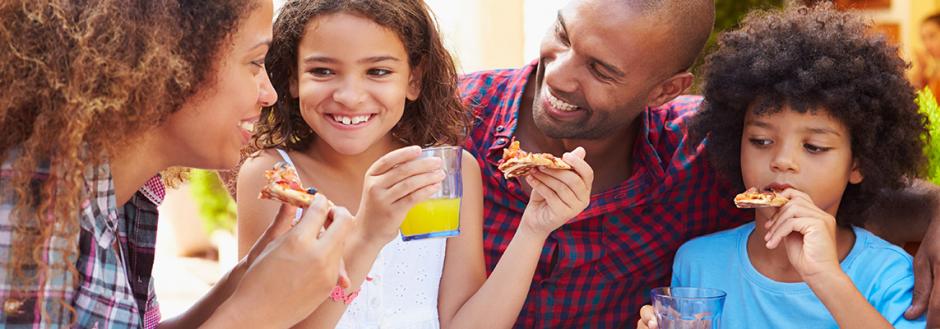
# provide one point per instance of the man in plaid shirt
(608, 79)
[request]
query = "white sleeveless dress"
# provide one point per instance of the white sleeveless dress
(401, 289)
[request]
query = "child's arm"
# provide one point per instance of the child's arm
(465, 299)
(254, 215)
(393, 185)
(808, 234)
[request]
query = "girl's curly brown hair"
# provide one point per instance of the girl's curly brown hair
(81, 80)
(436, 117)
(815, 59)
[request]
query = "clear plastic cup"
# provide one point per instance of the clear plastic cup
(439, 216)
(688, 308)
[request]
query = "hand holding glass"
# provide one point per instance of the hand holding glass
(439, 216)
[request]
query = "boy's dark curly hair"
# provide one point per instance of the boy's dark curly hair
(436, 117)
(811, 59)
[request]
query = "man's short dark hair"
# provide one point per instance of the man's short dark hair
(689, 21)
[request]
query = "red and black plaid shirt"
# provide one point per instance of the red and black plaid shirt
(597, 271)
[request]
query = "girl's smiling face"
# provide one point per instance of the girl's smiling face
(353, 80)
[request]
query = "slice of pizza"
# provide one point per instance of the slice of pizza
(752, 198)
(284, 186)
(518, 163)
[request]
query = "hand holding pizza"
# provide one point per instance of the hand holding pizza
(808, 234)
(272, 263)
(393, 185)
(558, 195)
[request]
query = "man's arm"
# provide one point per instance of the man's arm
(904, 216)
(907, 216)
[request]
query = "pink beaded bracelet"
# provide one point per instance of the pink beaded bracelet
(339, 295)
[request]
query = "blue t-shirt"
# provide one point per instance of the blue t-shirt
(882, 272)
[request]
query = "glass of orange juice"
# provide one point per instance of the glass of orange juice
(439, 216)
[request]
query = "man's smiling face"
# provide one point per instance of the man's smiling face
(598, 65)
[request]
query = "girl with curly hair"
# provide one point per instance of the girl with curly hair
(806, 104)
(101, 96)
(360, 81)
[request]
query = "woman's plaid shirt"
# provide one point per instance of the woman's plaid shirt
(116, 249)
(597, 271)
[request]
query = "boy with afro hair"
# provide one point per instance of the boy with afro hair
(805, 103)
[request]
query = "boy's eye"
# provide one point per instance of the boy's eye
(379, 72)
(760, 141)
(815, 149)
(321, 71)
(258, 63)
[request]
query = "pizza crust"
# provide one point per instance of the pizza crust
(752, 198)
(518, 163)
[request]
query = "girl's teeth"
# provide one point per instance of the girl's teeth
(351, 120)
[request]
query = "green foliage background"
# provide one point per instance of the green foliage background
(216, 207)
(728, 15)
(928, 106)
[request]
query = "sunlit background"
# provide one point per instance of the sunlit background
(485, 34)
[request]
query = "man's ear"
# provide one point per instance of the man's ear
(855, 176)
(670, 89)
(414, 83)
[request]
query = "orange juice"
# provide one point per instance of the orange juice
(432, 218)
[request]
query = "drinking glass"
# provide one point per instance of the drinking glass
(439, 216)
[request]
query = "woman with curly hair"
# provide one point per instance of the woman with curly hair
(350, 108)
(101, 96)
(805, 105)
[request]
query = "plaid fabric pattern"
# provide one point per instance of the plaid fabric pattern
(116, 250)
(596, 271)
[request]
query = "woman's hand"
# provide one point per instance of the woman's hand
(808, 234)
(558, 195)
(290, 269)
(393, 185)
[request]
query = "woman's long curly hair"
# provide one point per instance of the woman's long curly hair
(815, 59)
(436, 117)
(81, 80)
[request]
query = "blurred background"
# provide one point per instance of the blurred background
(196, 233)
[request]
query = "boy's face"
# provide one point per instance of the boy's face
(810, 152)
